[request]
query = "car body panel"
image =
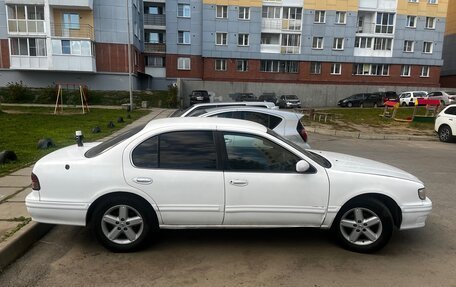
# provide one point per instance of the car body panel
(446, 117)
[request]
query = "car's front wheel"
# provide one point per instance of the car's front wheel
(349, 104)
(363, 225)
(123, 223)
(445, 134)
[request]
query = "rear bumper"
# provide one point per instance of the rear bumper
(414, 216)
(68, 213)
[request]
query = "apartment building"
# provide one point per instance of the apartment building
(43, 42)
(386, 43)
(448, 76)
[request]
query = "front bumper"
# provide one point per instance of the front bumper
(414, 216)
(68, 213)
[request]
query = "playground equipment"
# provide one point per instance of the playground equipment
(431, 106)
(74, 86)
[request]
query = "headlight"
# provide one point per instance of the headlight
(422, 193)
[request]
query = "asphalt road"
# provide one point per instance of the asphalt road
(70, 256)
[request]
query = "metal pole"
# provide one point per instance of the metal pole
(130, 81)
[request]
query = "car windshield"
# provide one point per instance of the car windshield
(292, 97)
(93, 152)
(452, 93)
(313, 156)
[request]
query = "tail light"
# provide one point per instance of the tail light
(35, 182)
(302, 131)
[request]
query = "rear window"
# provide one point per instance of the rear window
(451, 92)
(93, 152)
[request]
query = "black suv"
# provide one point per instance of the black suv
(199, 96)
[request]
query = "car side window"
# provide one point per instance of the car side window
(451, 111)
(184, 150)
(252, 153)
(260, 118)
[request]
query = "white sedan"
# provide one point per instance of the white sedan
(286, 124)
(220, 173)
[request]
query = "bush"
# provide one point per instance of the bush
(16, 92)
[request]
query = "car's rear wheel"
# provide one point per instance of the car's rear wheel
(404, 104)
(123, 223)
(363, 225)
(445, 134)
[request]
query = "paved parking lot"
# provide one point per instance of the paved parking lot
(70, 256)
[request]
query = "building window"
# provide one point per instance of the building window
(315, 68)
(317, 43)
(153, 61)
(291, 40)
(271, 12)
(222, 12)
(221, 38)
(383, 44)
(155, 37)
(384, 23)
(320, 16)
(430, 22)
(424, 71)
(409, 46)
(427, 47)
(275, 66)
(405, 70)
(33, 47)
(411, 21)
(338, 44)
(433, 1)
(363, 42)
(243, 39)
(371, 69)
(244, 13)
(336, 69)
(341, 17)
(25, 18)
(414, 1)
(220, 64)
(183, 63)
(292, 13)
(183, 37)
(71, 47)
(71, 21)
(183, 10)
(242, 65)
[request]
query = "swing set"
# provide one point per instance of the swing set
(67, 87)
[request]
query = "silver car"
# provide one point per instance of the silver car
(286, 124)
(199, 109)
(445, 97)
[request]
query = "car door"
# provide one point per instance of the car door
(450, 114)
(181, 172)
(263, 188)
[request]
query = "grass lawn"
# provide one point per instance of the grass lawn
(22, 127)
(370, 117)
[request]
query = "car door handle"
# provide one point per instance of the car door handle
(239, 182)
(142, 180)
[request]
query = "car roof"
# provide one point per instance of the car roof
(285, 114)
(233, 103)
(204, 123)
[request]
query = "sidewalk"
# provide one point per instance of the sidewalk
(17, 232)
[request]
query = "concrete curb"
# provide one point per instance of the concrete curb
(361, 135)
(15, 246)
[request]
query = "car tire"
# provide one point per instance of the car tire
(363, 226)
(445, 134)
(349, 104)
(404, 104)
(126, 219)
(361, 105)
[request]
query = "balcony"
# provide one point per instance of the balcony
(83, 31)
(290, 50)
(154, 20)
(29, 63)
(271, 48)
(155, 48)
(26, 27)
(271, 25)
(72, 3)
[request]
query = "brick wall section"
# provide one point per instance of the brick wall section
(304, 76)
(4, 54)
(448, 81)
(195, 72)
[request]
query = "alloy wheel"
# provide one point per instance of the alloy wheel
(361, 226)
(122, 224)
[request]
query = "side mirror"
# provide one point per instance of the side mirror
(302, 166)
